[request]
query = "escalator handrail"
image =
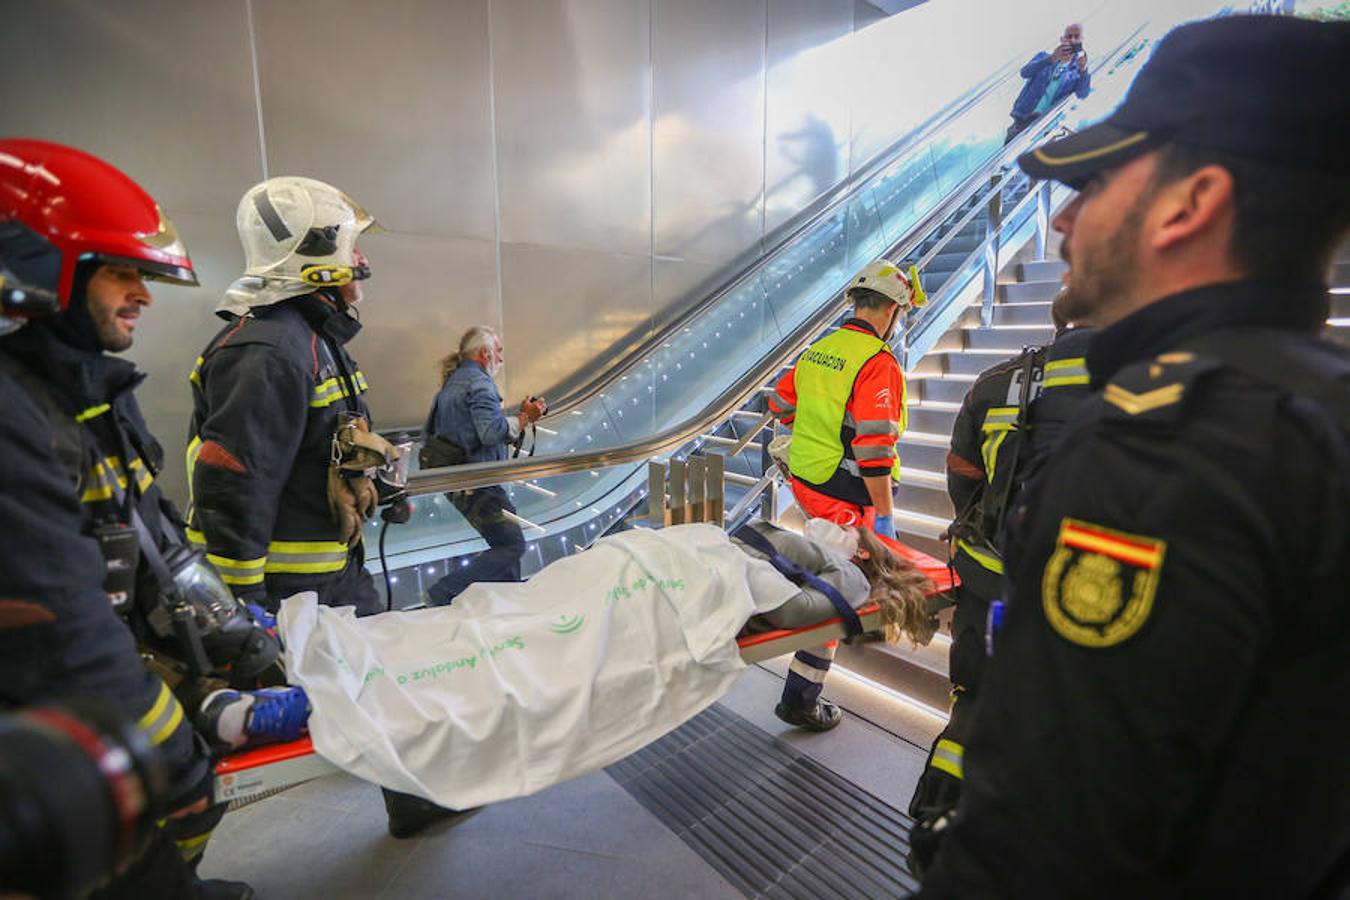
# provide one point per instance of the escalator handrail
(476, 475)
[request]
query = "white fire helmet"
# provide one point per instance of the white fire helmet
(299, 234)
(886, 278)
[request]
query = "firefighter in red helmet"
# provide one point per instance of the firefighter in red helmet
(85, 518)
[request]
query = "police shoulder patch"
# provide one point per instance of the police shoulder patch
(1098, 586)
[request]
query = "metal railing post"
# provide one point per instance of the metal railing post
(994, 224)
(1042, 217)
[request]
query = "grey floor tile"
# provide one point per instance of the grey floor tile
(477, 866)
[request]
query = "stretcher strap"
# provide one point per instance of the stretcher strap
(801, 577)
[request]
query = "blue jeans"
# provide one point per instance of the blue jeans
(483, 508)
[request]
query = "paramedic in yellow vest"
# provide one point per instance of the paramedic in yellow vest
(845, 402)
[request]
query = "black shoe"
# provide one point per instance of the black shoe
(821, 717)
(409, 815)
(217, 889)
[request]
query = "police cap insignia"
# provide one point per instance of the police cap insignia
(1099, 584)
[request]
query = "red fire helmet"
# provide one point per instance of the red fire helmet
(60, 207)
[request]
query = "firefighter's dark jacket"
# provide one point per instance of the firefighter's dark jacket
(267, 392)
(59, 635)
(1165, 711)
(985, 439)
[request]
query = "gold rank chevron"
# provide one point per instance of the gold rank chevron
(1134, 404)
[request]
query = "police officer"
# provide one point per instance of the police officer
(1008, 421)
(276, 396)
(1164, 713)
(844, 399)
(77, 240)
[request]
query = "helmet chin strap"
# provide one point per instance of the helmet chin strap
(890, 326)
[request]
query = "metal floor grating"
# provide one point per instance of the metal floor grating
(772, 821)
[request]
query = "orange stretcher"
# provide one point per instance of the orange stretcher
(251, 775)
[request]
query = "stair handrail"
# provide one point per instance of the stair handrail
(476, 475)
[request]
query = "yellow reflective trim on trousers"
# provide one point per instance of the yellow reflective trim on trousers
(165, 716)
(949, 756)
(92, 412)
(992, 563)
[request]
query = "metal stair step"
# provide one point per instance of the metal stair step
(946, 388)
(923, 492)
(921, 531)
(1010, 314)
(933, 416)
(1041, 270)
(1028, 291)
(1340, 306)
(1011, 338)
(969, 362)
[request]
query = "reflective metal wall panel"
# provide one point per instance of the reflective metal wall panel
(563, 308)
(572, 95)
(807, 109)
(422, 294)
(395, 110)
(162, 89)
(708, 138)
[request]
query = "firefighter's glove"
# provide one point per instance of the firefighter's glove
(351, 500)
(358, 449)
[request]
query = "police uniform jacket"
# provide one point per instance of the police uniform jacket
(59, 634)
(267, 393)
(1165, 713)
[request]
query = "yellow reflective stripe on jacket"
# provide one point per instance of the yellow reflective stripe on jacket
(999, 418)
(326, 393)
(1061, 372)
(195, 376)
(238, 571)
(988, 560)
(159, 723)
(104, 474)
(190, 458)
(989, 451)
(949, 757)
(306, 557)
(92, 412)
(193, 847)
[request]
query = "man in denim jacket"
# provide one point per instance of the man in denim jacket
(468, 415)
(1050, 77)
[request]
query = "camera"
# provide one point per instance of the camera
(80, 791)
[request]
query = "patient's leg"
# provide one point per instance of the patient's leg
(801, 704)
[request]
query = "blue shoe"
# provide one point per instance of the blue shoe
(231, 720)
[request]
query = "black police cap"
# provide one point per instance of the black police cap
(1268, 88)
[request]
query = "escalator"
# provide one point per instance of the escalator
(947, 197)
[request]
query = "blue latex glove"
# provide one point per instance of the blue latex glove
(885, 525)
(266, 619)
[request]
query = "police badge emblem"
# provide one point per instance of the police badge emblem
(1099, 584)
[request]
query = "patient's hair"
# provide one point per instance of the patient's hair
(899, 588)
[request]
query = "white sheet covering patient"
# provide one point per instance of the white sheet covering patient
(518, 686)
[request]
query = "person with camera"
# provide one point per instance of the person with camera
(92, 547)
(1050, 77)
(467, 425)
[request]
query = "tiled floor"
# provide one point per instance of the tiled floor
(584, 838)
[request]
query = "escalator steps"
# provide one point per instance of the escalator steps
(772, 821)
